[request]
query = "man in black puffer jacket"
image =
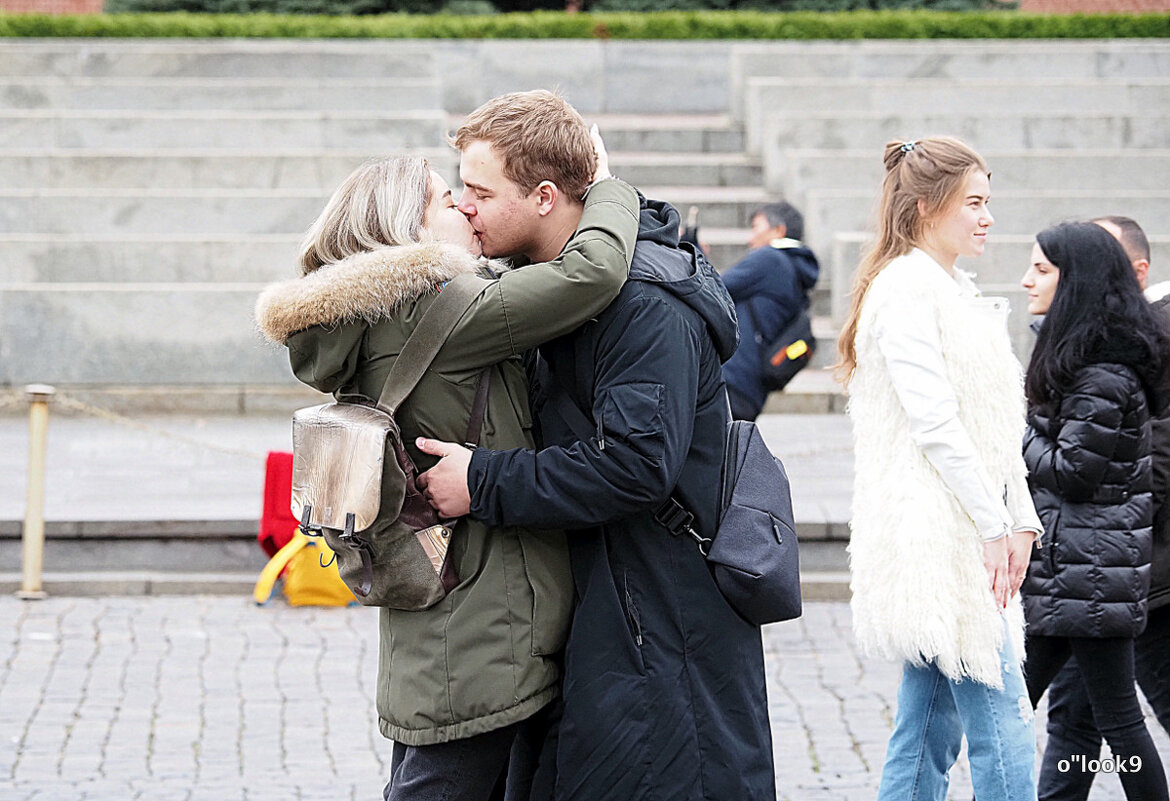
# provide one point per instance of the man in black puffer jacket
(1070, 716)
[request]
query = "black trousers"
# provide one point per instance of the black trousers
(496, 766)
(1106, 668)
(1071, 728)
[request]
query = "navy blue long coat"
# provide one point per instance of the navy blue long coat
(664, 694)
(772, 283)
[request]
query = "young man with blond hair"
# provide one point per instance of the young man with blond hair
(664, 691)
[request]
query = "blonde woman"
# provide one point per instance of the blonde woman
(942, 519)
(458, 681)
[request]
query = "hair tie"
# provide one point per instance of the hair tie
(908, 146)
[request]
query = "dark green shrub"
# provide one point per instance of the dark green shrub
(916, 24)
(330, 7)
(469, 7)
(661, 5)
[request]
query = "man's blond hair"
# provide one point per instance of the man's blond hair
(539, 136)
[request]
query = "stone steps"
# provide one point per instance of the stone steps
(990, 131)
(795, 97)
(814, 585)
(373, 132)
(596, 76)
(225, 559)
(181, 174)
(1071, 129)
(320, 170)
(666, 133)
(957, 60)
(370, 131)
(135, 334)
(153, 187)
(242, 94)
(796, 172)
(255, 258)
(828, 212)
(224, 58)
(165, 211)
(195, 337)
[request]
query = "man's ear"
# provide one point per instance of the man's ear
(547, 195)
(1141, 268)
(779, 231)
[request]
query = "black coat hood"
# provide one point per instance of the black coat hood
(684, 272)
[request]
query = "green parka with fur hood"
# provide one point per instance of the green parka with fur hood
(483, 657)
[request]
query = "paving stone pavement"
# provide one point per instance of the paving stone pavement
(210, 698)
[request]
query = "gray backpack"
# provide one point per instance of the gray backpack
(753, 553)
(354, 482)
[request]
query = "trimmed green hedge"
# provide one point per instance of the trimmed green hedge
(483, 7)
(556, 25)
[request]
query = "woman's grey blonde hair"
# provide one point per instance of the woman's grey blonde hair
(381, 203)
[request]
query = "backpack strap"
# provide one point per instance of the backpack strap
(478, 409)
(427, 339)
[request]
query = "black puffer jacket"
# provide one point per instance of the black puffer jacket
(1090, 476)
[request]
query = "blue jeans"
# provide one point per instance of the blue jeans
(934, 712)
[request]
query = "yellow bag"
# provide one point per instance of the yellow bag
(306, 582)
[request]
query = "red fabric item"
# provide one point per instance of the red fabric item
(277, 523)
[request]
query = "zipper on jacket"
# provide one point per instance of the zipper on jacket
(730, 471)
(600, 436)
(632, 612)
(776, 530)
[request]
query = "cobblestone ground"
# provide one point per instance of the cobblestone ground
(194, 698)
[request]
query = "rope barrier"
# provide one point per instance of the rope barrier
(10, 399)
(113, 417)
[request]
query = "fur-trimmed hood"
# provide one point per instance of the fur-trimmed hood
(366, 286)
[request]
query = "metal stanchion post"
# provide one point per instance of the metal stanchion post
(33, 537)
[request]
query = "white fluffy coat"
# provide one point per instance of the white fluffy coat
(920, 591)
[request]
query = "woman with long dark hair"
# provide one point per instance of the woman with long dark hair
(1097, 372)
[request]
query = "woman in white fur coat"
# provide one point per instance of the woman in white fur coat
(942, 519)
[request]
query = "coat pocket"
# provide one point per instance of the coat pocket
(632, 414)
(546, 569)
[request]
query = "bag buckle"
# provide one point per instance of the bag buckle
(674, 517)
(359, 544)
(306, 527)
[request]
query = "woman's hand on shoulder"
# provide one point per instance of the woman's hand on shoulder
(602, 172)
